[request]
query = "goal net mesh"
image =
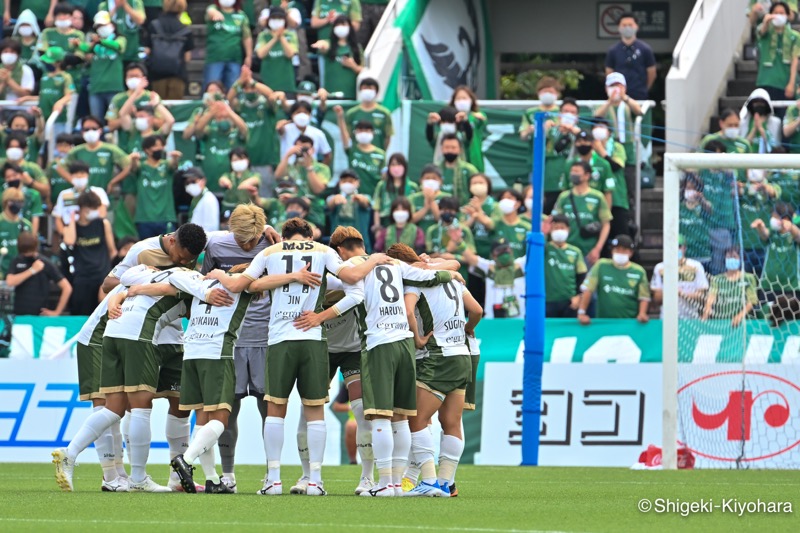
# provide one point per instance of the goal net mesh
(738, 311)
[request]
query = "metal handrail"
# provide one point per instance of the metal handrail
(637, 137)
(697, 12)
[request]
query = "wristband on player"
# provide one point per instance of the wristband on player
(581, 311)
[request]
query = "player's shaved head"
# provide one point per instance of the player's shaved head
(247, 225)
(346, 237)
(296, 226)
(403, 252)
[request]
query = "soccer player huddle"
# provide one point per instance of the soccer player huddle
(266, 313)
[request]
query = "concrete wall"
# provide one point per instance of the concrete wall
(566, 26)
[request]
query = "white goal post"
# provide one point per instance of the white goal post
(674, 165)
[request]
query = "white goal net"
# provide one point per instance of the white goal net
(732, 310)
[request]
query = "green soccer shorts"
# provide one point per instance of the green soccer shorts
(348, 362)
(442, 375)
(388, 379)
(208, 384)
(128, 366)
(304, 362)
(90, 364)
(469, 398)
(169, 373)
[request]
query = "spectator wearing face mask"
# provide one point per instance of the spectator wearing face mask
(695, 211)
(15, 177)
(692, 284)
(65, 36)
(363, 156)
(350, 207)
(449, 238)
(527, 193)
(26, 32)
(141, 123)
(11, 225)
(167, 65)
(426, 202)
(16, 78)
(309, 176)
(298, 208)
(393, 184)
(509, 226)
(445, 123)
(227, 36)
(55, 88)
(104, 51)
(300, 124)
(633, 58)
(67, 201)
(326, 12)
(343, 59)
(564, 271)
(733, 293)
(456, 172)
(31, 276)
(277, 47)
(613, 152)
(88, 247)
(782, 262)
(128, 17)
(601, 177)
(400, 229)
(369, 110)
(723, 223)
(480, 214)
(204, 208)
(64, 143)
(560, 130)
(30, 126)
(240, 183)
(130, 101)
(588, 213)
(219, 131)
(505, 280)
(621, 286)
(548, 90)
(106, 161)
(275, 208)
(728, 134)
(465, 102)
(778, 51)
(759, 125)
(16, 145)
(756, 200)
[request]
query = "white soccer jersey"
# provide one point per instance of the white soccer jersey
(145, 317)
(342, 331)
(91, 334)
(497, 294)
(474, 345)
(67, 202)
(442, 311)
(290, 301)
(212, 330)
(382, 316)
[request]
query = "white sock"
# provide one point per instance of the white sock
(104, 445)
(302, 444)
(205, 439)
(273, 444)
(363, 439)
(317, 437)
(402, 447)
(464, 438)
(140, 437)
(125, 429)
(413, 468)
(449, 456)
(119, 459)
(90, 431)
(382, 446)
(422, 451)
(208, 460)
(177, 431)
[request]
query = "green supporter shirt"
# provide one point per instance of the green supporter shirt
(619, 194)
(753, 207)
(739, 145)
(515, 234)
(321, 8)
(217, 142)
(52, 88)
(417, 201)
(561, 268)
(382, 199)
(379, 117)
(728, 294)
(590, 207)
(718, 190)
(126, 139)
(9, 231)
(338, 78)
(775, 53)
(299, 175)
(780, 273)
(52, 37)
(154, 201)
(554, 161)
(40, 8)
(601, 178)
(618, 290)
(57, 182)
(261, 117)
(33, 170)
(224, 38)
(277, 70)
(353, 214)
(234, 196)
(789, 186)
(274, 210)
(33, 203)
(105, 69)
(693, 222)
(455, 180)
(437, 238)
(483, 235)
(368, 166)
(793, 141)
(126, 27)
(101, 161)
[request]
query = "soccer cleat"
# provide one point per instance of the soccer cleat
(64, 469)
(398, 490)
(364, 485)
(218, 488)
(148, 485)
(407, 484)
(301, 486)
(271, 488)
(185, 472)
(431, 490)
(118, 484)
(174, 484)
(315, 489)
(231, 484)
(453, 490)
(379, 492)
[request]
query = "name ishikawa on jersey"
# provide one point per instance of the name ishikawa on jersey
(382, 316)
(145, 317)
(290, 301)
(212, 330)
(91, 334)
(442, 312)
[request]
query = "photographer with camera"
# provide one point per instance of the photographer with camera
(299, 164)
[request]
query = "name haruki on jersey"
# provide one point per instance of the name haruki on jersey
(382, 316)
(442, 312)
(144, 317)
(291, 300)
(91, 334)
(212, 330)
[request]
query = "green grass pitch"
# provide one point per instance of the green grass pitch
(491, 499)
